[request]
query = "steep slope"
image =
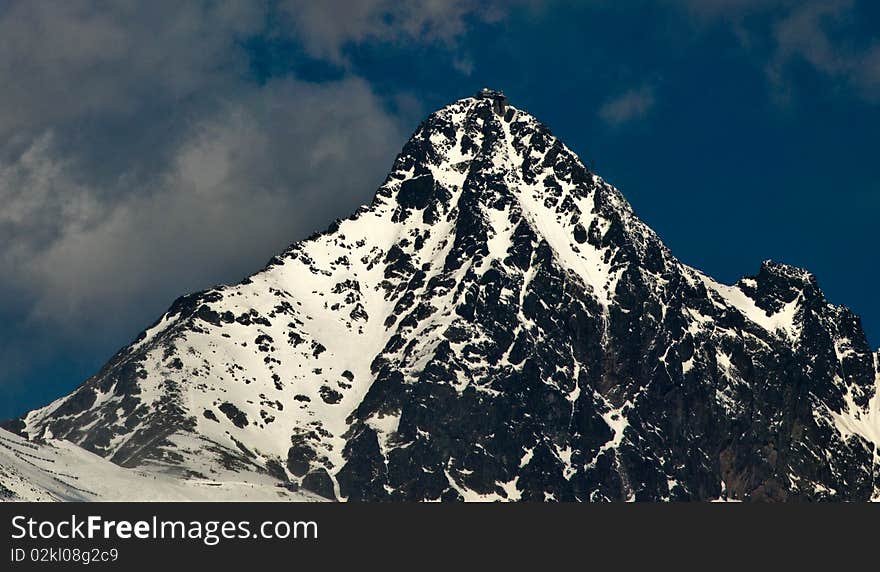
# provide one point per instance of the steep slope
(62, 471)
(496, 325)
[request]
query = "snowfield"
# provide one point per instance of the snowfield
(61, 471)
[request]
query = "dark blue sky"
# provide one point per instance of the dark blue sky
(724, 165)
(740, 131)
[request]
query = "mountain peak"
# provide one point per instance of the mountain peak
(489, 93)
(497, 97)
(777, 285)
(497, 325)
(788, 271)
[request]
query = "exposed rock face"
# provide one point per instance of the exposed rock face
(497, 324)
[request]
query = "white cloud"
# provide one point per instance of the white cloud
(328, 27)
(816, 32)
(812, 33)
(243, 184)
(62, 60)
(630, 105)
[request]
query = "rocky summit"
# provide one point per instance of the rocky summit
(497, 325)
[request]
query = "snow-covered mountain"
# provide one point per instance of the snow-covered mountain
(497, 325)
(61, 471)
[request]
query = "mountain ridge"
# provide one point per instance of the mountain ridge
(497, 324)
